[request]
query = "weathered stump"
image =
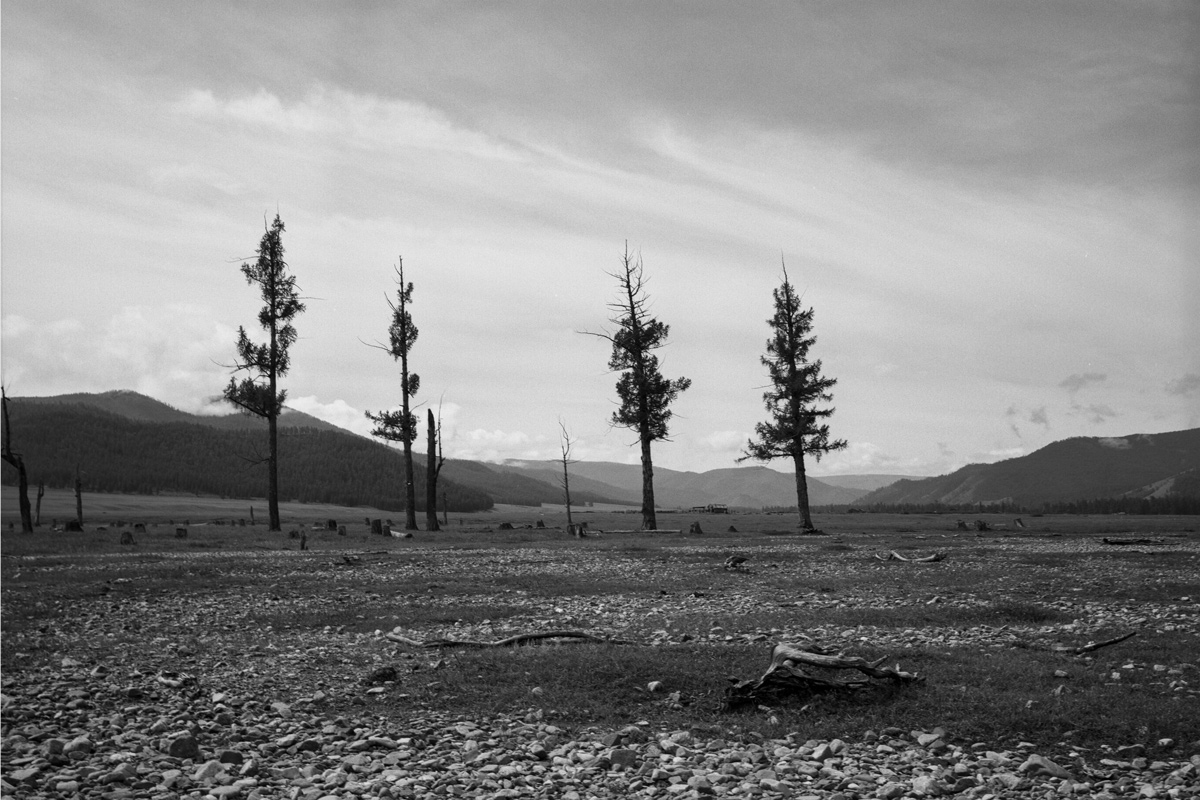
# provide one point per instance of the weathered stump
(789, 676)
(127, 537)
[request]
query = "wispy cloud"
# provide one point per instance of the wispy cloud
(1185, 386)
(1076, 382)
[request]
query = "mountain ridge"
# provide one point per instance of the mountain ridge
(1078, 468)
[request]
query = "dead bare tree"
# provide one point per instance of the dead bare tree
(433, 468)
(17, 462)
(566, 442)
(78, 497)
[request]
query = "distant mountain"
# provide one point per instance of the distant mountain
(126, 442)
(139, 407)
(745, 487)
(1081, 468)
(868, 483)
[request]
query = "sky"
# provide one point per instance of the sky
(992, 207)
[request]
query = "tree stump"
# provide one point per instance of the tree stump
(181, 533)
(787, 676)
(126, 537)
(695, 528)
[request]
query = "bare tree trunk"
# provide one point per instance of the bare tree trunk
(273, 472)
(18, 463)
(37, 523)
(649, 520)
(802, 492)
(78, 497)
(431, 474)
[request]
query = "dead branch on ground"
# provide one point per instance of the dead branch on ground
(509, 642)
(894, 556)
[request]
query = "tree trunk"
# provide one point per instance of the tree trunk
(78, 498)
(431, 475)
(23, 497)
(567, 495)
(37, 523)
(273, 522)
(802, 492)
(649, 520)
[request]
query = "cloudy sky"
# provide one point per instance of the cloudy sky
(994, 209)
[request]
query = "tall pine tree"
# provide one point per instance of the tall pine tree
(645, 395)
(258, 394)
(401, 426)
(796, 427)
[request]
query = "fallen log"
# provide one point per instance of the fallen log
(509, 642)
(1107, 540)
(894, 556)
(1091, 646)
(786, 676)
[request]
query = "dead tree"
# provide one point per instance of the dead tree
(78, 497)
(433, 468)
(565, 442)
(17, 462)
(787, 676)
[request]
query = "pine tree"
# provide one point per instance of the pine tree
(258, 394)
(401, 426)
(795, 428)
(645, 395)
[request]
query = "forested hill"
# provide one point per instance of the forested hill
(126, 442)
(1135, 467)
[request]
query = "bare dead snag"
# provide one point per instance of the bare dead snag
(894, 556)
(509, 642)
(787, 677)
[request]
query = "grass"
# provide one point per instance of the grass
(451, 583)
(1001, 697)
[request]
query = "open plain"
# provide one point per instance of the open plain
(232, 664)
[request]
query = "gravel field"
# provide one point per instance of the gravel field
(166, 675)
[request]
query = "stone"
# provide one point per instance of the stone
(184, 747)
(1037, 765)
(623, 758)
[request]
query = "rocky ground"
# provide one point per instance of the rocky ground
(115, 688)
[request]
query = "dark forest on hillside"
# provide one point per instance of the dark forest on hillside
(114, 454)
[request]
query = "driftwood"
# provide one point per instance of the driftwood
(736, 563)
(1107, 540)
(894, 556)
(786, 676)
(1091, 646)
(509, 642)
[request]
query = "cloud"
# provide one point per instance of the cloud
(1186, 386)
(1076, 382)
(725, 441)
(1095, 412)
(164, 352)
(1116, 443)
(352, 118)
(338, 412)
(1039, 417)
